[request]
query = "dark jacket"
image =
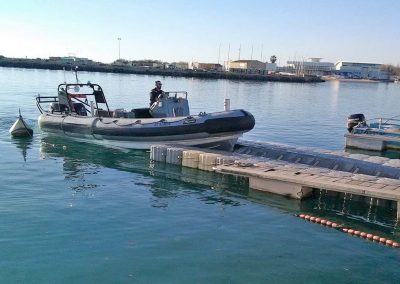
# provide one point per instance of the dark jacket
(154, 95)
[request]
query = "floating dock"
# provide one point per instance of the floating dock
(294, 172)
(372, 142)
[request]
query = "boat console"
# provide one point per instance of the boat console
(170, 104)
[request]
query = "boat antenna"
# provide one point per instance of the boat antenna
(65, 80)
(76, 74)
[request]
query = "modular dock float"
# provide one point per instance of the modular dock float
(362, 175)
(372, 142)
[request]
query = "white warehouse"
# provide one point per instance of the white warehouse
(360, 70)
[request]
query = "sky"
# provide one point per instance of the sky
(202, 30)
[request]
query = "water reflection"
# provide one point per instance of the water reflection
(168, 182)
(23, 144)
(359, 212)
(82, 159)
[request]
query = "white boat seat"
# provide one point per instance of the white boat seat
(57, 107)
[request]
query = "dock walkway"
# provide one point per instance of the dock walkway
(284, 179)
(298, 176)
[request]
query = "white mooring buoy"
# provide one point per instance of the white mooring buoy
(20, 129)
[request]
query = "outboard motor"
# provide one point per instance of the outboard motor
(354, 120)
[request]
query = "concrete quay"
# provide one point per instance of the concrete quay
(294, 179)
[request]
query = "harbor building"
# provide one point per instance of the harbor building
(356, 70)
(313, 66)
(206, 66)
(70, 60)
(181, 65)
(148, 63)
(246, 66)
(270, 67)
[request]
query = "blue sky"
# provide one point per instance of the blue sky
(363, 31)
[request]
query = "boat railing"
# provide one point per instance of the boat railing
(61, 108)
(383, 121)
(43, 100)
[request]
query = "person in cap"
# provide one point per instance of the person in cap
(155, 93)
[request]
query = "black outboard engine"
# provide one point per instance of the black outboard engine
(354, 120)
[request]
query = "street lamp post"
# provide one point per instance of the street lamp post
(119, 48)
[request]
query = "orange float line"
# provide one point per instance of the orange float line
(356, 233)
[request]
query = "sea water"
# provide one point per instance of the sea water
(82, 213)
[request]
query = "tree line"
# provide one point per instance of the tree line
(391, 69)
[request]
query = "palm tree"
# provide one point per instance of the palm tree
(273, 59)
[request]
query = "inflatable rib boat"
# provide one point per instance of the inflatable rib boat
(81, 111)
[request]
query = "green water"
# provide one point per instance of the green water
(82, 213)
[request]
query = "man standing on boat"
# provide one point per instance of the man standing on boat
(155, 93)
